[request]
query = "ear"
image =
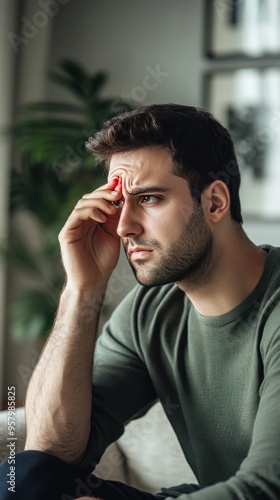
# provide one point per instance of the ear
(216, 201)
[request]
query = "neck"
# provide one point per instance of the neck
(232, 272)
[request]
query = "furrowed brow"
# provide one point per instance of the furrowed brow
(147, 189)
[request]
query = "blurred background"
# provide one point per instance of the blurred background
(68, 65)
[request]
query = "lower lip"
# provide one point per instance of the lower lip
(141, 254)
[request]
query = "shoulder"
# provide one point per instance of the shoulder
(273, 260)
(270, 310)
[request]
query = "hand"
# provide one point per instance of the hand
(89, 243)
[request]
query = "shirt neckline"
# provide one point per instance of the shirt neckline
(250, 301)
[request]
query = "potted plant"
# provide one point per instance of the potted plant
(54, 171)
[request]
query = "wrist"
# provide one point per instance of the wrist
(91, 296)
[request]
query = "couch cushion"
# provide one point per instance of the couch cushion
(112, 465)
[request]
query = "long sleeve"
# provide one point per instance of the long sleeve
(122, 387)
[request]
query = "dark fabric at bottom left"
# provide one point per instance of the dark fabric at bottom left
(41, 476)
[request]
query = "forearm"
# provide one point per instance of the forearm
(58, 402)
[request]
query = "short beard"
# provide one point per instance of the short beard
(189, 259)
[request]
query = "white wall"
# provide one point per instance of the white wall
(123, 37)
(261, 232)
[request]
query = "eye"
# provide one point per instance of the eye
(149, 199)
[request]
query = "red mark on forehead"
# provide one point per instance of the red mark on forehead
(118, 187)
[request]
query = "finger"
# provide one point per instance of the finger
(110, 186)
(93, 213)
(96, 206)
(76, 221)
(109, 195)
(105, 206)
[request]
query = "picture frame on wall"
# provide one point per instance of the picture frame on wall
(242, 28)
(247, 103)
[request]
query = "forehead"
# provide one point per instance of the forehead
(142, 164)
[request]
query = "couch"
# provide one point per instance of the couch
(147, 456)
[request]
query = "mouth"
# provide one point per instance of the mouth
(138, 253)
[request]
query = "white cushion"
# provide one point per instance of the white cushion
(112, 465)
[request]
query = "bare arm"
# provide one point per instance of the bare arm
(58, 402)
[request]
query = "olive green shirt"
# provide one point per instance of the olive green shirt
(218, 379)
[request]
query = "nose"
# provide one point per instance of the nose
(129, 222)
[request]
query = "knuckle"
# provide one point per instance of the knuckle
(78, 204)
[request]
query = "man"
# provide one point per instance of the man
(202, 328)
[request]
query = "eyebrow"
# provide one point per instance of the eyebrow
(148, 189)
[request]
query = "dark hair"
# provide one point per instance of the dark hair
(202, 149)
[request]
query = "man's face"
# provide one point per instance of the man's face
(164, 233)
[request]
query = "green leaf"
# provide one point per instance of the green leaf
(74, 70)
(97, 81)
(69, 84)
